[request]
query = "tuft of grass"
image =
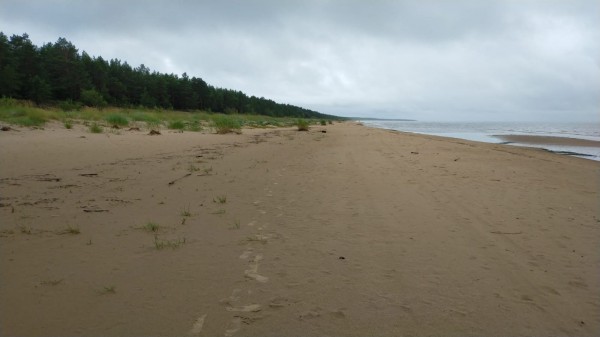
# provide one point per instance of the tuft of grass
(117, 119)
(25, 230)
(68, 124)
(226, 124)
(302, 125)
(221, 199)
(193, 168)
(24, 115)
(71, 230)
(186, 211)
(152, 227)
(207, 170)
(323, 122)
(176, 125)
(151, 119)
(52, 282)
(111, 289)
(194, 126)
(95, 128)
(162, 244)
(235, 225)
(257, 238)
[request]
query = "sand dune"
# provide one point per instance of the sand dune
(352, 232)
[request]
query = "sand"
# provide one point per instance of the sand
(352, 232)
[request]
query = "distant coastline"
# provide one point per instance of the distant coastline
(381, 119)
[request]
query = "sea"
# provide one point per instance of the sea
(485, 132)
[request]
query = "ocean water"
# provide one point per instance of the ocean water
(485, 131)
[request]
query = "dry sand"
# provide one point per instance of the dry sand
(352, 232)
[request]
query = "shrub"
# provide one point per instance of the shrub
(95, 128)
(92, 98)
(176, 125)
(69, 105)
(226, 124)
(323, 122)
(194, 126)
(68, 124)
(302, 125)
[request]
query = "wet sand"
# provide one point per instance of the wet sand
(548, 140)
(352, 232)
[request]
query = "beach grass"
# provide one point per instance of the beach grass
(96, 128)
(226, 124)
(162, 244)
(117, 119)
(151, 226)
(302, 125)
(110, 289)
(221, 199)
(28, 114)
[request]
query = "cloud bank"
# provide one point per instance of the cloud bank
(428, 60)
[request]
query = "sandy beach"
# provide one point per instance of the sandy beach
(350, 232)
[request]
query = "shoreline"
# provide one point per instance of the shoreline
(549, 140)
(359, 230)
(586, 145)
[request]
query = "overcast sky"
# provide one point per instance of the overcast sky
(483, 60)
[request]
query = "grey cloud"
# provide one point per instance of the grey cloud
(464, 59)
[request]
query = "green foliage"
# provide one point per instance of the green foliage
(194, 126)
(39, 91)
(323, 122)
(70, 105)
(23, 115)
(151, 119)
(71, 230)
(226, 124)
(302, 125)
(68, 124)
(96, 128)
(60, 72)
(152, 227)
(176, 125)
(162, 244)
(186, 211)
(220, 199)
(92, 98)
(117, 119)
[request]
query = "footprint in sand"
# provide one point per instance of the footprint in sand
(197, 327)
(246, 254)
(252, 272)
(236, 323)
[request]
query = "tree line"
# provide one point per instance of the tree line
(57, 72)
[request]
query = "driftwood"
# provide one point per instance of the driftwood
(176, 180)
(508, 233)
